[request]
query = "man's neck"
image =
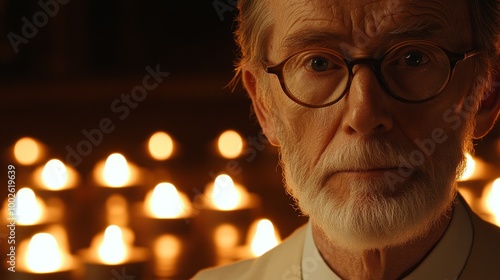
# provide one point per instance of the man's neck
(385, 263)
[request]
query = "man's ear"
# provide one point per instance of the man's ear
(263, 115)
(490, 106)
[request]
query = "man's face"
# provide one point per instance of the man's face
(369, 170)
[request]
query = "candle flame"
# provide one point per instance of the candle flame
(492, 199)
(116, 170)
(30, 209)
(265, 237)
(166, 202)
(113, 249)
(160, 146)
(54, 174)
(225, 195)
(27, 151)
(230, 144)
(470, 166)
(43, 254)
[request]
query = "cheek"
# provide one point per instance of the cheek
(315, 130)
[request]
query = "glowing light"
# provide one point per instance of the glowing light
(225, 195)
(167, 246)
(492, 200)
(30, 209)
(117, 210)
(160, 146)
(27, 151)
(469, 168)
(265, 238)
(230, 144)
(43, 254)
(54, 174)
(167, 249)
(116, 170)
(226, 236)
(166, 202)
(113, 249)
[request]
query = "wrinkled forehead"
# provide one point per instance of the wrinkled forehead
(365, 24)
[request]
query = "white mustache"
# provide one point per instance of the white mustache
(362, 156)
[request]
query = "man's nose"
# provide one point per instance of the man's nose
(368, 109)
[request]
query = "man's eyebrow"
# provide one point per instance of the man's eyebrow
(419, 30)
(307, 38)
(422, 30)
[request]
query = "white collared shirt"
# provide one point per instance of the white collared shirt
(446, 260)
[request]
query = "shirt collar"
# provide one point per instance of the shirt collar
(446, 260)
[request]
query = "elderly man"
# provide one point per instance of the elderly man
(373, 105)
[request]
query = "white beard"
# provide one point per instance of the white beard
(361, 213)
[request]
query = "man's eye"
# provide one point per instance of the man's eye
(320, 64)
(414, 59)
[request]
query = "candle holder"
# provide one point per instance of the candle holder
(135, 266)
(112, 253)
(44, 256)
(61, 275)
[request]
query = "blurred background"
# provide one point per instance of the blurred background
(71, 73)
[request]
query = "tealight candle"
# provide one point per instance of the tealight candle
(113, 251)
(42, 257)
(262, 237)
(165, 202)
(225, 202)
(29, 212)
(116, 172)
(225, 195)
(56, 180)
(117, 175)
(164, 209)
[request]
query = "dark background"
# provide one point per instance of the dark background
(66, 76)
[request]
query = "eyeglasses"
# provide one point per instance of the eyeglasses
(411, 72)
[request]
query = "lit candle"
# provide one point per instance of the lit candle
(230, 144)
(263, 237)
(161, 146)
(30, 209)
(225, 195)
(165, 202)
(116, 172)
(42, 257)
(491, 201)
(55, 176)
(165, 209)
(116, 175)
(113, 250)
